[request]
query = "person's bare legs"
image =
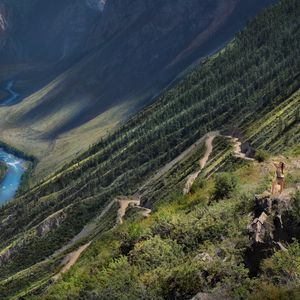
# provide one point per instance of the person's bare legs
(273, 187)
(281, 186)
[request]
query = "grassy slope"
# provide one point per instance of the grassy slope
(138, 253)
(119, 164)
(53, 153)
(189, 244)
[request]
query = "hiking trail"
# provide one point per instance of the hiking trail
(238, 148)
(71, 260)
(209, 148)
(237, 152)
(127, 202)
(135, 201)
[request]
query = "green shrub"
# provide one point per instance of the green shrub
(182, 281)
(199, 183)
(155, 252)
(164, 224)
(283, 267)
(225, 185)
(119, 281)
(245, 203)
(261, 155)
(272, 292)
(131, 234)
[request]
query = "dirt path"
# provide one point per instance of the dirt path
(136, 201)
(86, 231)
(209, 148)
(179, 158)
(125, 203)
(70, 260)
(238, 148)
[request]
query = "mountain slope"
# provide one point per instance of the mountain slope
(39, 31)
(196, 245)
(249, 88)
(133, 51)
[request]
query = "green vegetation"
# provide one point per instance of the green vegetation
(261, 155)
(225, 185)
(283, 266)
(3, 169)
(18, 152)
(182, 251)
(251, 85)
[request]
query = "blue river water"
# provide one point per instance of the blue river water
(13, 97)
(11, 182)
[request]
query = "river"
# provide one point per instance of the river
(13, 97)
(11, 182)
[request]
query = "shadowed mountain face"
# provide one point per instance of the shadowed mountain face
(125, 52)
(44, 30)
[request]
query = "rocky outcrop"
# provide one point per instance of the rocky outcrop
(267, 227)
(51, 223)
(268, 230)
(261, 230)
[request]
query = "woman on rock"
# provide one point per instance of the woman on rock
(279, 177)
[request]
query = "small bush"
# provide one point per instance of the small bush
(199, 183)
(155, 252)
(283, 268)
(245, 204)
(131, 234)
(268, 291)
(262, 155)
(225, 185)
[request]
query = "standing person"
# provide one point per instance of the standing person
(279, 180)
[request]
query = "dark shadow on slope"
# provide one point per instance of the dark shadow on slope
(144, 54)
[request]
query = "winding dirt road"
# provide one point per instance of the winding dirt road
(135, 201)
(238, 148)
(70, 260)
(73, 257)
(237, 152)
(209, 148)
(167, 167)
